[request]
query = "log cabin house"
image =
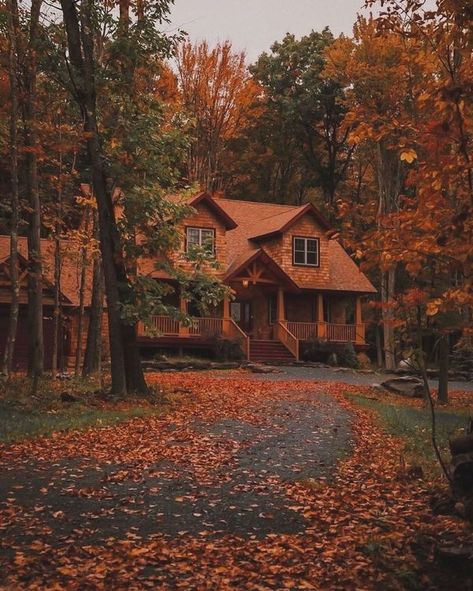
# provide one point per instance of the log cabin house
(69, 301)
(291, 283)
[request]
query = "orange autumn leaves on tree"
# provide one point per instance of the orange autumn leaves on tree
(409, 74)
(220, 97)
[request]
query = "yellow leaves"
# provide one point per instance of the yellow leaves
(408, 155)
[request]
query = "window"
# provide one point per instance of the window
(305, 251)
(200, 238)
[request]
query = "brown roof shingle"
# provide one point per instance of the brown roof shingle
(257, 220)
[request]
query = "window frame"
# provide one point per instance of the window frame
(200, 228)
(317, 251)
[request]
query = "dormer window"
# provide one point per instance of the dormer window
(200, 238)
(305, 251)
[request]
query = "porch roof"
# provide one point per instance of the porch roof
(270, 265)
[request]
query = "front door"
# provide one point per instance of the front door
(241, 314)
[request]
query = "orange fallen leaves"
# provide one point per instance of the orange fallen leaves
(362, 531)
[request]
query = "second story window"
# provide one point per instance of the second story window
(305, 251)
(200, 238)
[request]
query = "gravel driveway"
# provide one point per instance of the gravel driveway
(87, 501)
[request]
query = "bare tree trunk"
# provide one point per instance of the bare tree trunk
(83, 276)
(57, 314)
(389, 175)
(428, 397)
(444, 351)
(13, 27)
(379, 348)
(127, 373)
(93, 350)
(387, 294)
(57, 336)
(35, 267)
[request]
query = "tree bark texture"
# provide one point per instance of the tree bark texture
(13, 27)
(127, 374)
(93, 349)
(444, 351)
(35, 267)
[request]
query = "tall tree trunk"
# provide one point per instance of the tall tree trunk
(444, 352)
(387, 293)
(93, 350)
(57, 315)
(389, 177)
(13, 28)
(83, 277)
(127, 373)
(35, 267)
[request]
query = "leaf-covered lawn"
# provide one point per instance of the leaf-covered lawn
(243, 484)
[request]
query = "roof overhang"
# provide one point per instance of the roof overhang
(308, 209)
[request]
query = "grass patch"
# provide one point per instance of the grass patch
(17, 423)
(23, 416)
(413, 425)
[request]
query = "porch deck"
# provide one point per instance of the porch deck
(166, 331)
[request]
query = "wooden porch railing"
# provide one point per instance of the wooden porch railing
(285, 336)
(160, 324)
(210, 327)
(340, 333)
(304, 331)
(201, 327)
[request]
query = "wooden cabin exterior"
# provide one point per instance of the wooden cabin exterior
(290, 282)
(69, 302)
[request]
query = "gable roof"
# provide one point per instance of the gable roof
(212, 204)
(70, 271)
(259, 221)
(23, 268)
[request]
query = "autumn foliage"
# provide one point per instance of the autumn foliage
(363, 526)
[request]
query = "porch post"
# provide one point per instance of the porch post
(226, 315)
(183, 330)
(226, 307)
(360, 327)
(321, 325)
(281, 316)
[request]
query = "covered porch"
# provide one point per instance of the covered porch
(266, 307)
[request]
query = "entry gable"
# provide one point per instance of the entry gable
(260, 267)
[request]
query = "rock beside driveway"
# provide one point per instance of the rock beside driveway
(405, 386)
(260, 368)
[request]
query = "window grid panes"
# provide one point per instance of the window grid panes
(306, 251)
(200, 238)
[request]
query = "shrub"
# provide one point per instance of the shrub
(348, 356)
(312, 350)
(228, 350)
